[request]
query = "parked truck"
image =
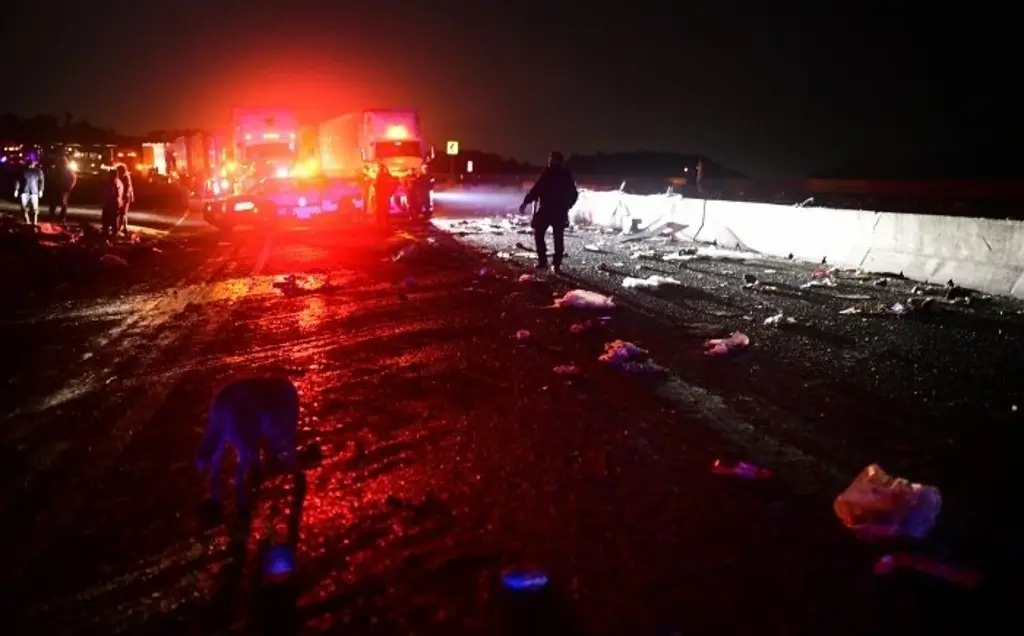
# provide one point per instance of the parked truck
(264, 141)
(194, 160)
(357, 147)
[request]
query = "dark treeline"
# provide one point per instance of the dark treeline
(49, 129)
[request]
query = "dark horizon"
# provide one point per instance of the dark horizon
(787, 93)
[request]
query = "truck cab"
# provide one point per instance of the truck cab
(265, 141)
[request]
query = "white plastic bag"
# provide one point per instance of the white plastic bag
(878, 505)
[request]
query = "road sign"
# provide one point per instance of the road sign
(453, 148)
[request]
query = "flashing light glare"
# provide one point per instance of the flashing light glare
(231, 166)
(292, 135)
(73, 166)
(397, 132)
(281, 172)
(302, 202)
(271, 136)
(224, 184)
(244, 206)
(248, 137)
(223, 172)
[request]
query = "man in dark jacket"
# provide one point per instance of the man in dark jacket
(555, 189)
(29, 189)
(66, 179)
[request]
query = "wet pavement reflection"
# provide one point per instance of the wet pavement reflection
(438, 451)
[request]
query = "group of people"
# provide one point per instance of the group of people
(386, 186)
(118, 197)
(29, 189)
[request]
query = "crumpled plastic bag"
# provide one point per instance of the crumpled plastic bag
(878, 505)
(584, 299)
(628, 357)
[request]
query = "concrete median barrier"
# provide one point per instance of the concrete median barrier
(982, 254)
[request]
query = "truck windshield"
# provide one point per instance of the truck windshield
(269, 152)
(392, 149)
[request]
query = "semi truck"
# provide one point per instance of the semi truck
(357, 147)
(264, 141)
(194, 160)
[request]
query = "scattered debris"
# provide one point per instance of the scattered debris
(649, 254)
(724, 346)
(583, 299)
(881, 282)
(712, 253)
(580, 327)
(920, 304)
(879, 506)
(750, 279)
(404, 253)
(590, 247)
(849, 311)
(291, 284)
(821, 282)
(651, 282)
(953, 292)
(743, 470)
(567, 369)
(899, 309)
(853, 296)
(527, 278)
(523, 335)
(628, 357)
(779, 319)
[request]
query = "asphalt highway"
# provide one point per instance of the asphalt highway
(442, 449)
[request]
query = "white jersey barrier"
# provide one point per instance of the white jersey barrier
(982, 254)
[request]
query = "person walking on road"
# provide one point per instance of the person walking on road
(556, 192)
(113, 200)
(29, 189)
(127, 199)
(66, 179)
(384, 186)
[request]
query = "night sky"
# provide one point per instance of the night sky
(769, 88)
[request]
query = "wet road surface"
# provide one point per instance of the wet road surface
(157, 219)
(451, 450)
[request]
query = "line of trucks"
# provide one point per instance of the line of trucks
(259, 145)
